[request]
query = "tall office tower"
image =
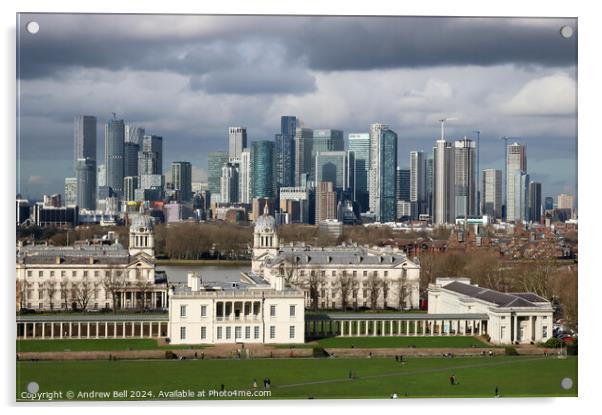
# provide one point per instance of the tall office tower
(326, 202)
(491, 193)
(336, 167)
(565, 201)
(70, 191)
(86, 183)
(150, 155)
(402, 184)
(244, 178)
(521, 197)
(134, 134)
(516, 161)
(429, 186)
(262, 169)
(535, 202)
(383, 164)
(417, 183)
(101, 176)
(466, 176)
(444, 184)
(229, 183)
(359, 144)
(114, 140)
(215, 162)
(181, 179)
(303, 149)
(130, 158)
(549, 203)
(130, 184)
(285, 151)
(84, 135)
(325, 140)
(237, 140)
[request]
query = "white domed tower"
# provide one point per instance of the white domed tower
(265, 242)
(142, 239)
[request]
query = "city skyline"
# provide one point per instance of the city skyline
(492, 90)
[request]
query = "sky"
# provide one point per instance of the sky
(188, 78)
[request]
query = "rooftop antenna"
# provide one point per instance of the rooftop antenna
(114, 115)
(442, 121)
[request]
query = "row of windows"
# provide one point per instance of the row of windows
(238, 332)
(334, 273)
(73, 273)
(292, 310)
(65, 305)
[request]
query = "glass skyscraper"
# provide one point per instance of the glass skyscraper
(325, 140)
(181, 179)
(465, 172)
(359, 144)
(383, 166)
(114, 147)
(215, 162)
(285, 151)
(262, 167)
(516, 161)
(84, 134)
(402, 176)
(303, 148)
(336, 167)
(237, 141)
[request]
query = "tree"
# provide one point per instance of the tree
(314, 282)
(51, 290)
(402, 289)
(289, 269)
(114, 284)
(374, 287)
(344, 282)
(83, 292)
(144, 285)
(64, 289)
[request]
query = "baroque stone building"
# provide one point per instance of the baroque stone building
(344, 276)
(92, 274)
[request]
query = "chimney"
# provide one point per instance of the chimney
(193, 281)
(278, 283)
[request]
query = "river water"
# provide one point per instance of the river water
(224, 273)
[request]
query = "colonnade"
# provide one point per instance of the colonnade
(91, 329)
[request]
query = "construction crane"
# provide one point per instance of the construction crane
(442, 121)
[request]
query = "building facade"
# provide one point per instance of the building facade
(444, 186)
(359, 145)
(181, 179)
(465, 173)
(382, 179)
(491, 193)
(237, 141)
(262, 168)
(114, 147)
(516, 162)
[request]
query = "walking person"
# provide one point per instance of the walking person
(497, 392)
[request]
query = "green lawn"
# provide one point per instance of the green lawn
(387, 342)
(317, 378)
(93, 345)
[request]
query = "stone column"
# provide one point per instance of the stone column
(515, 331)
(52, 330)
(106, 329)
(123, 327)
(24, 330)
(43, 330)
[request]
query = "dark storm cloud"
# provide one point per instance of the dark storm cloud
(206, 44)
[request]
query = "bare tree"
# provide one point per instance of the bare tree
(83, 292)
(64, 290)
(344, 282)
(313, 284)
(289, 269)
(113, 284)
(143, 285)
(374, 286)
(51, 291)
(402, 289)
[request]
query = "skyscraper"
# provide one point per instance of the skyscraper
(335, 167)
(565, 201)
(101, 176)
(465, 173)
(130, 184)
(130, 158)
(491, 193)
(86, 183)
(549, 203)
(70, 191)
(134, 134)
(181, 179)
(516, 161)
(429, 186)
(303, 151)
(215, 162)
(150, 155)
(535, 202)
(325, 140)
(402, 185)
(444, 196)
(383, 164)
(229, 183)
(237, 140)
(114, 147)
(326, 202)
(262, 167)
(84, 134)
(285, 151)
(417, 183)
(244, 178)
(521, 197)
(359, 144)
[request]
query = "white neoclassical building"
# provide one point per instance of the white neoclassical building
(512, 318)
(250, 311)
(366, 276)
(92, 274)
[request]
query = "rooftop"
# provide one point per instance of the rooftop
(514, 300)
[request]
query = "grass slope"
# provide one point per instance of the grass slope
(388, 342)
(317, 378)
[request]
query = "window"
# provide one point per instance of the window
(96, 273)
(63, 273)
(203, 311)
(272, 332)
(182, 311)
(386, 273)
(247, 332)
(29, 273)
(291, 332)
(237, 332)
(40, 273)
(107, 274)
(182, 333)
(256, 332)
(292, 311)
(85, 273)
(334, 273)
(40, 295)
(52, 273)
(545, 331)
(272, 311)
(365, 273)
(228, 332)
(203, 333)
(74, 273)
(219, 332)
(355, 273)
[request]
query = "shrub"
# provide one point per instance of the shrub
(553, 343)
(510, 351)
(170, 355)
